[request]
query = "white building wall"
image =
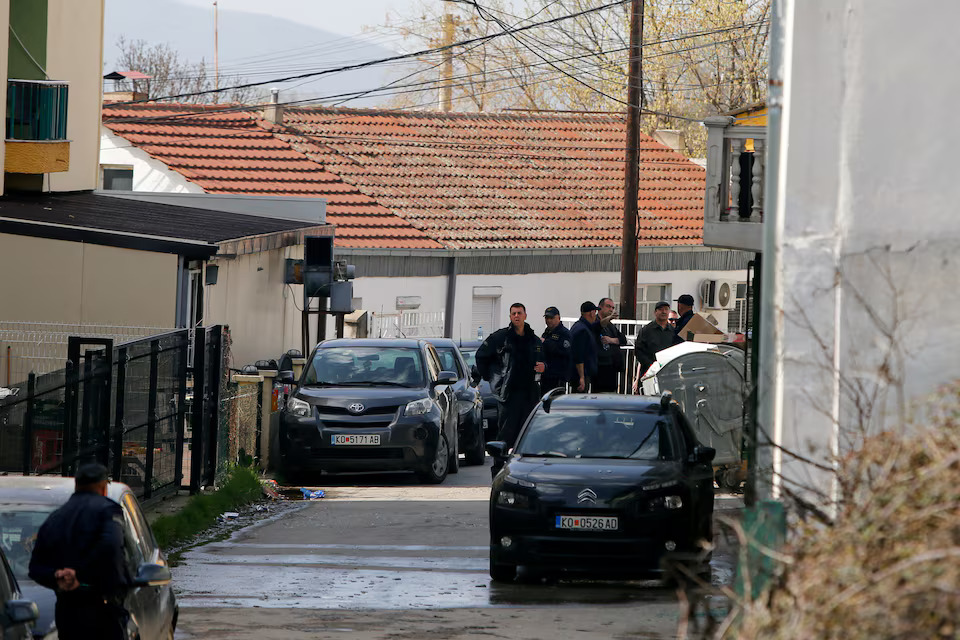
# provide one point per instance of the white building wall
(871, 239)
(149, 174)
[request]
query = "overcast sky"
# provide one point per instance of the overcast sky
(347, 17)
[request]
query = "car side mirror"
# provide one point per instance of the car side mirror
(475, 376)
(497, 449)
(153, 575)
(286, 377)
(703, 455)
(445, 378)
(21, 611)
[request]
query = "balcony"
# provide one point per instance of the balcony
(733, 206)
(36, 127)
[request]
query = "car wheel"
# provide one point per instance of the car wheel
(475, 454)
(436, 471)
(500, 572)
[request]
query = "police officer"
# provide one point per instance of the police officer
(609, 355)
(79, 553)
(511, 359)
(556, 351)
(585, 334)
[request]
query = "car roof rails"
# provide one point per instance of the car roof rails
(549, 396)
(665, 399)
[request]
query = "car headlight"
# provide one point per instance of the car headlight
(513, 500)
(418, 407)
(519, 481)
(666, 502)
(298, 407)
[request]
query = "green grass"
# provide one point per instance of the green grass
(242, 487)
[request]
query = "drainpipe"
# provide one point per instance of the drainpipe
(451, 296)
(770, 383)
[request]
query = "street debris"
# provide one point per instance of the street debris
(311, 494)
(270, 488)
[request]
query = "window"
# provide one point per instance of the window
(450, 362)
(485, 318)
(117, 178)
(648, 295)
(365, 365)
(737, 320)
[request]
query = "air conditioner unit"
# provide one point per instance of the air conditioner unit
(718, 294)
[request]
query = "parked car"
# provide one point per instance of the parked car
(371, 405)
(26, 501)
(491, 412)
(470, 431)
(601, 485)
(16, 614)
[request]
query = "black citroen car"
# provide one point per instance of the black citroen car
(470, 431)
(601, 485)
(371, 405)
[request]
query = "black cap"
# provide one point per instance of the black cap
(551, 312)
(662, 303)
(587, 306)
(686, 299)
(91, 473)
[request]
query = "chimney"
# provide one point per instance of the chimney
(672, 138)
(274, 111)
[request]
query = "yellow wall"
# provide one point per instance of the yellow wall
(754, 117)
(75, 54)
(71, 282)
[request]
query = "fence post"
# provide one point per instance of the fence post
(105, 386)
(86, 409)
(71, 407)
(181, 408)
(199, 392)
(213, 393)
(298, 364)
(28, 424)
(265, 422)
(245, 382)
(151, 419)
(118, 430)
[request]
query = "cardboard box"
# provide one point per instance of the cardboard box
(699, 324)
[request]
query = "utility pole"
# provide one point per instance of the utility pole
(628, 260)
(216, 53)
(446, 76)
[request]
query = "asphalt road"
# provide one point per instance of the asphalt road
(382, 556)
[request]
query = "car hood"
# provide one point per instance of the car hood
(343, 397)
(46, 601)
(611, 481)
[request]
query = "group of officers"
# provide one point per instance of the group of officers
(520, 365)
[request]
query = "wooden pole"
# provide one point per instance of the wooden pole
(628, 261)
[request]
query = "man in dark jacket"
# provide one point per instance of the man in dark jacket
(79, 553)
(655, 336)
(511, 359)
(557, 344)
(609, 354)
(685, 309)
(585, 333)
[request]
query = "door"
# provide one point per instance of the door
(486, 310)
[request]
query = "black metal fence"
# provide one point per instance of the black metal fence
(139, 408)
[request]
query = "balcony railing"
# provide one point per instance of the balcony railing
(36, 110)
(733, 206)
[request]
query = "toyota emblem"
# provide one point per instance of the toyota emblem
(356, 407)
(587, 495)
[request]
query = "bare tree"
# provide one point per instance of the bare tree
(171, 75)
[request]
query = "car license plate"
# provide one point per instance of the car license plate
(588, 523)
(359, 439)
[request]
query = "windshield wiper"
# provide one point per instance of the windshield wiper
(545, 454)
(384, 383)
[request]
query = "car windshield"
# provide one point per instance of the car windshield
(637, 435)
(352, 366)
(470, 355)
(18, 533)
(448, 361)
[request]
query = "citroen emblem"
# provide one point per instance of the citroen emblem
(587, 495)
(356, 407)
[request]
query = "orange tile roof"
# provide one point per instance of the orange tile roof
(402, 179)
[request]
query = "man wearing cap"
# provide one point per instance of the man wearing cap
(655, 336)
(557, 345)
(79, 553)
(685, 309)
(585, 332)
(609, 355)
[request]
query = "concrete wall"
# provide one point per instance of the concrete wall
(75, 53)
(72, 282)
(148, 174)
(871, 237)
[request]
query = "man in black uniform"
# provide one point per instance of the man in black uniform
(685, 309)
(609, 355)
(79, 554)
(656, 335)
(556, 351)
(510, 359)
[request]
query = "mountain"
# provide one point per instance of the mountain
(254, 46)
